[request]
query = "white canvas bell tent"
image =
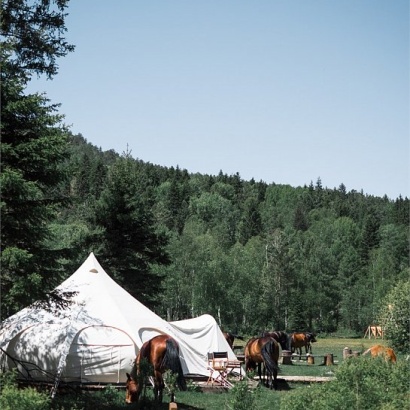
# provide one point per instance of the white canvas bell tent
(96, 339)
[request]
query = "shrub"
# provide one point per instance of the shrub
(395, 316)
(241, 397)
(361, 383)
(12, 398)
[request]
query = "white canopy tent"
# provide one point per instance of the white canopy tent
(96, 339)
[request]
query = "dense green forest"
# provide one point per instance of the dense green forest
(253, 255)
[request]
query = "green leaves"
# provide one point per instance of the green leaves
(395, 315)
(361, 383)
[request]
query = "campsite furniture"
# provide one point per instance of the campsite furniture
(235, 364)
(374, 331)
(218, 369)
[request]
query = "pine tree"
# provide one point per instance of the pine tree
(33, 148)
(125, 240)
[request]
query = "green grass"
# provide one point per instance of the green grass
(323, 347)
(265, 398)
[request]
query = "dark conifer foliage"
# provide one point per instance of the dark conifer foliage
(33, 149)
(124, 237)
(32, 32)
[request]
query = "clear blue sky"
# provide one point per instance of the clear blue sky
(279, 91)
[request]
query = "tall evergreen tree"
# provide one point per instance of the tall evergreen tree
(33, 144)
(33, 147)
(125, 239)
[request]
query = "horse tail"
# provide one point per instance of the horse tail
(173, 362)
(268, 353)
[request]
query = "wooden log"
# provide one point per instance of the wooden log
(172, 406)
(310, 359)
(347, 352)
(329, 359)
(286, 357)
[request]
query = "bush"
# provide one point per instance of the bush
(241, 397)
(361, 383)
(395, 316)
(12, 398)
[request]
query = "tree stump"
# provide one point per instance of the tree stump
(172, 406)
(310, 359)
(329, 359)
(286, 357)
(347, 353)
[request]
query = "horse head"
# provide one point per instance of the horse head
(131, 390)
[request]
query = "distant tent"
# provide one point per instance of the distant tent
(96, 339)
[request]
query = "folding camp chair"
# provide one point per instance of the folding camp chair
(217, 366)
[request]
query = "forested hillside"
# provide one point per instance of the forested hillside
(252, 255)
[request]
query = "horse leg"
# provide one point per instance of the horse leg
(161, 387)
(275, 380)
(265, 379)
(158, 386)
(260, 371)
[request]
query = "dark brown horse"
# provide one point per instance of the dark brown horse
(230, 338)
(162, 352)
(263, 350)
(281, 337)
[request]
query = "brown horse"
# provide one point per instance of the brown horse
(299, 340)
(230, 338)
(263, 350)
(380, 350)
(162, 352)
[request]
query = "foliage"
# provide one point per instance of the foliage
(395, 316)
(241, 397)
(361, 383)
(33, 148)
(32, 33)
(124, 238)
(12, 397)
